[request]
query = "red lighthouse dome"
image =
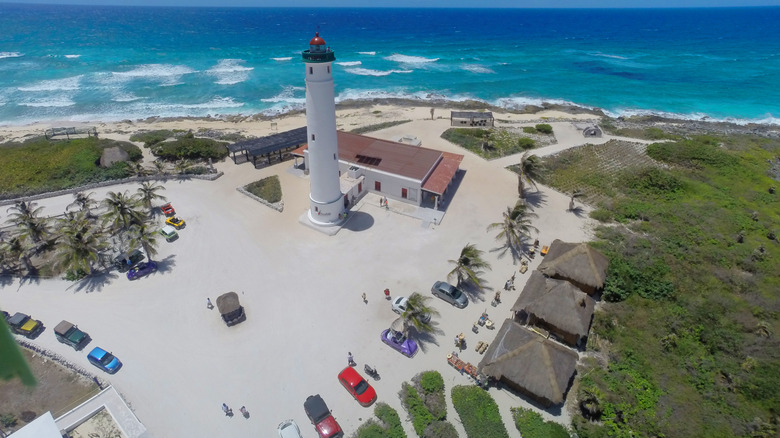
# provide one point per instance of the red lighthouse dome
(317, 40)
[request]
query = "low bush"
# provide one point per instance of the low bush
(478, 412)
(601, 215)
(694, 153)
(378, 126)
(411, 400)
(532, 425)
(151, 138)
(529, 130)
(431, 381)
(268, 188)
(189, 147)
(441, 429)
(432, 386)
(544, 128)
(526, 143)
(388, 425)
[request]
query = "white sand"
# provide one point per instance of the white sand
(301, 290)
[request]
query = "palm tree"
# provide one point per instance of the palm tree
(122, 210)
(143, 234)
(19, 249)
(28, 222)
(575, 194)
(515, 227)
(83, 202)
(147, 193)
(529, 171)
(469, 266)
(80, 243)
(418, 313)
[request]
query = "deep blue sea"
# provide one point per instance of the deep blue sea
(87, 63)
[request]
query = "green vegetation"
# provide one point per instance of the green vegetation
(478, 412)
(268, 188)
(40, 165)
(191, 147)
(544, 128)
(691, 330)
(488, 143)
(411, 400)
(388, 426)
(378, 126)
(532, 425)
(646, 133)
(151, 138)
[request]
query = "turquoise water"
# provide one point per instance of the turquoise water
(111, 63)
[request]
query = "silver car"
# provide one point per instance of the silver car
(450, 294)
(288, 429)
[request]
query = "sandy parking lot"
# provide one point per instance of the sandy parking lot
(301, 290)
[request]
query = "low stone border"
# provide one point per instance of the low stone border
(60, 360)
(279, 206)
(164, 177)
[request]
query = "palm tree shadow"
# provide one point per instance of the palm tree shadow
(536, 198)
(425, 340)
(516, 253)
(93, 283)
(474, 292)
(166, 265)
(578, 211)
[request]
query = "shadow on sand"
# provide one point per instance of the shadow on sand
(535, 199)
(358, 221)
(425, 340)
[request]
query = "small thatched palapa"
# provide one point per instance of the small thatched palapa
(577, 263)
(557, 306)
(530, 364)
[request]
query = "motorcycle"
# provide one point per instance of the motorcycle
(372, 372)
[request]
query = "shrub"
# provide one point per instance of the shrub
(478, 412)
(151, 138)
(431, 381)
(529, 130)
(421, 418)
(267, 188)
(654, 181)
(432, 386)
(378, 126)
(532, 425)
(190, 147)
(441, 429)
(544, 128)
(525, 143)
(695, 153)
(391, 420)
(8, 420)
(601, 215)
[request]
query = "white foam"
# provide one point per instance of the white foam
(166, 74)
(286, 58)
(349, 63)
(230, 71)
(124, 97)
(72, 56)
(287, 96)
(522, 102)
(371, 72)
(53, 102)
(65, 84)
(607, 55)
(476, 68)
(409, 59)
(768, 119)
(367, 53)
(422, 96)
(10, 55)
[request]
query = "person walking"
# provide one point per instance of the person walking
(244, 412)
(225, 409)
(365, 300)
(350, 359)
(208, 304)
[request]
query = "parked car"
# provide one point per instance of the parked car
(175, 222)
(288, 429)
(450, 294)
(141, 269)
(24, 325)
(321, 418)
(169, 233)
(399, 342)
(104, 360)
(168, 210)
(69, 334)
(401, 304)
(357, 386)
(231, 309)
(124, 262)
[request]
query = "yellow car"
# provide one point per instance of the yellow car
(175, 222)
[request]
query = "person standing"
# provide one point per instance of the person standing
(225, 409)
(208, 304)
(350, 359)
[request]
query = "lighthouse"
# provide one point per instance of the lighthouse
(325, 197)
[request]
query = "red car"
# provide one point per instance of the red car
(168, 210)
(321, 418)
(357, 386)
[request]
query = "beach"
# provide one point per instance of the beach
(301, 288)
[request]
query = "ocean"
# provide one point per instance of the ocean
(88, 63)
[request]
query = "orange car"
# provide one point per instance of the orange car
(168, 210)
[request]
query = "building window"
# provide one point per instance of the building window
(311, 70)
(312, 137)
(377, 186)
(404, 193)
(328, 69)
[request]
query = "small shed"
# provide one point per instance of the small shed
(592, 131)
(530, 364)
(471, 119)
(578, 263)
(557, 306)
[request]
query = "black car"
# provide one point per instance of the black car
(124, 262)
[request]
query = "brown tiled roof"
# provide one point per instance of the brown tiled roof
(443, 173)
(397, 158)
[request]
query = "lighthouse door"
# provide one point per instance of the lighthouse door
(346, 200)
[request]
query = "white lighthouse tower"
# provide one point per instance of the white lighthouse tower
(325, 197)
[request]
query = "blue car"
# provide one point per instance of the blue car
(399, 342)
(104, 360)
(141, 269)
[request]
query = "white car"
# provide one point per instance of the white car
(400, 305)
(288, 429)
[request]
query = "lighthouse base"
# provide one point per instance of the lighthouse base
(326, 214)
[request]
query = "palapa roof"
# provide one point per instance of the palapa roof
(557, 302)
(228, 302)
(576, 261)
(540, 366)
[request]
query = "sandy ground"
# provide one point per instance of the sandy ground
(301, 290)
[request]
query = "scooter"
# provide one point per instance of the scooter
(371, 372)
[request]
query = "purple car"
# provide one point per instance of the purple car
(398, 341)
(141, 269)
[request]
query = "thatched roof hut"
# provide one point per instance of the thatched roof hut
(577, 263)
(530, 364)
(557, 306)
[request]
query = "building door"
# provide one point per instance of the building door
(404, 193)
(346, 200)
(360, 187)
(378, 186)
